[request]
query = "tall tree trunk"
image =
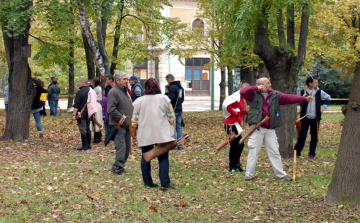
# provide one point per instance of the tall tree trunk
(21, 87)
(345, 186)
(230, 80)
(283, 68)
(71, 92)
(222, 87)
(247, 75)
(101, 35)
(90, 65)
(99, 60)
(117, 38)
(262, 71)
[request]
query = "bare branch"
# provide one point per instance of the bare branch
(39, 39)
(280, 28)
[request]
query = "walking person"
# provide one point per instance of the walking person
(176, 95)
(119, 103)
(53, 96)
(153, 117)
(264, 101)
(43, 99)
(235, 109)
(80, 109)
(36, 106)
(312, 112)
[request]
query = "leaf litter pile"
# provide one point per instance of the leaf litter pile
(47, 180)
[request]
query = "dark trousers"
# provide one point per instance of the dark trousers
(84, 128)
(235, 149)
(305, 124)
(122, 146)
(163, 168)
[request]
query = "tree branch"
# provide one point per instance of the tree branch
(39, 39)
(291, 27)
(138, 18)
(304, 29)
(280, 28)
(263, 47)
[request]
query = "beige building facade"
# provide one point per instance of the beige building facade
(194, 77)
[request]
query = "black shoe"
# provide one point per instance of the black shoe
(311, 157)
(152, 185)
(167, 188)
(121, 172)
(95, 141)
(83, 148)
(239, 169)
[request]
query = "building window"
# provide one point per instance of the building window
(139, 37)
(197, 77)
(198, 26)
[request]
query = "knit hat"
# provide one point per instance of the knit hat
(133, 78)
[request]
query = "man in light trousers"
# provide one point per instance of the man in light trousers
(264, 101)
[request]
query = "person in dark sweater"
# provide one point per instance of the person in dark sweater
(176, 95)
(36, 105)
(119, 103)
(83, 121)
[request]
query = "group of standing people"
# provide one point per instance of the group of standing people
(88, 111)
(146, 109)
(154, 116)
(264, 101)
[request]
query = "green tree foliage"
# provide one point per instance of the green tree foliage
(333, 35)
(329, 80)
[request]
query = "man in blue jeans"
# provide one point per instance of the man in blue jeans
(176, 95)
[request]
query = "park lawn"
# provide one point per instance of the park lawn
(46, 180)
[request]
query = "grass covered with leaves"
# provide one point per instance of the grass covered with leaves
(46, 180)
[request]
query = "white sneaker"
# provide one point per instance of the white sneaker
(249, 178)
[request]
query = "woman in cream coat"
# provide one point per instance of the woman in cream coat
(154, 117)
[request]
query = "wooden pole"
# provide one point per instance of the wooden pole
(294, 166)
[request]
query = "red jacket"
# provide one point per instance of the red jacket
(235, 116)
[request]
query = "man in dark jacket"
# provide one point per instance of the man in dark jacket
(53, 96)
(176, 95)
(83, 121)
(119, 103)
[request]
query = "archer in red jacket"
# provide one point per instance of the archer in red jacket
(235, 109)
